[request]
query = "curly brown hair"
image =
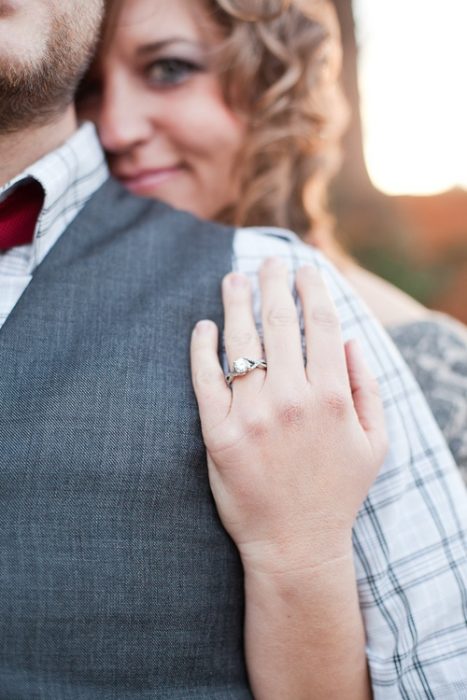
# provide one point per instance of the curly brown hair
(279, 63)
(280, 66)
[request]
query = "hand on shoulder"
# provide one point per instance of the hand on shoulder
(292, 451)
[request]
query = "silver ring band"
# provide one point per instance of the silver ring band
(242, 366)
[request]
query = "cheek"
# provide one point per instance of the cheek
(233, 130)
(22, 44)
(217, 133)
(208, 122)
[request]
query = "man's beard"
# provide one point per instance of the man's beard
(34, 94)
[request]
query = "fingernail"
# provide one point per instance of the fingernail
(273, 263)
(237, 280)
(203, 327)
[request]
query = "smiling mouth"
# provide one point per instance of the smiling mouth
(148, 180)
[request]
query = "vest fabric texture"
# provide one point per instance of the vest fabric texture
(117, 579)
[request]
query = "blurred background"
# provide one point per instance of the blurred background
(401, 198)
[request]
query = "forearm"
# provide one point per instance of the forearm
(304, 635)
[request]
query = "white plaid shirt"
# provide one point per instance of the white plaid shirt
(410, 536)
(69, 176)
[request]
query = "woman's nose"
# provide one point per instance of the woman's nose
(122, 121)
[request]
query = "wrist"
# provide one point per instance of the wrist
(293, 559)
(302, 589)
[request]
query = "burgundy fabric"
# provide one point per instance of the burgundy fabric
(18, 214)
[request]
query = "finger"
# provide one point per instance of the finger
(282, 338)
(241, 336)
(366, 398)
(324, 345)
(211, 390)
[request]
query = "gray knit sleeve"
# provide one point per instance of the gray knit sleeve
(437, 356)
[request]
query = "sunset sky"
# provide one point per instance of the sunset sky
(413, 83)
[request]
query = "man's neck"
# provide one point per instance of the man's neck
(20, 149)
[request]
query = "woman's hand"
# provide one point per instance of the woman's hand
(292, 451)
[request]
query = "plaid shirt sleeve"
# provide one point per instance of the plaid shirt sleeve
(410, 535)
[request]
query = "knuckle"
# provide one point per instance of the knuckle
(238, 338)
(256, 427)
(207, 377)
(291, 412)
(221, 438)
(281, 316)
(335, 402)
(324, 317)
(233, 434)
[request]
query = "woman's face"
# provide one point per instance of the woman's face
(159, 109)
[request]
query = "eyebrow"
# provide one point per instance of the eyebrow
(155, 46)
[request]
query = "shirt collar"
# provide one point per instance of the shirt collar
(59, 169)
(69, 176)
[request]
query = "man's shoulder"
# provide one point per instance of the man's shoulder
(115, 206)
(113, 198)
(264, 241)
(114, 210)
(252, 245)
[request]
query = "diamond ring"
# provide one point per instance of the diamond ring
(242, 366)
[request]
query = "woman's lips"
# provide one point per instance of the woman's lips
(8, 7)
(148, 180)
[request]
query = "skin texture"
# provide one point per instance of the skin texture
(39, 69)
(179, 141)
(45, 47)
(292, 453)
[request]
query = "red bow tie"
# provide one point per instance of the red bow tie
(18, 214)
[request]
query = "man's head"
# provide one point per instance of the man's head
(45, 46)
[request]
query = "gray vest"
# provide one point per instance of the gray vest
(117, 579)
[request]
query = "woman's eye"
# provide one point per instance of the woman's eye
(171, 71)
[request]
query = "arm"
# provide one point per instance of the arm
(304, 636)
(410, 536)
(292, 453)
